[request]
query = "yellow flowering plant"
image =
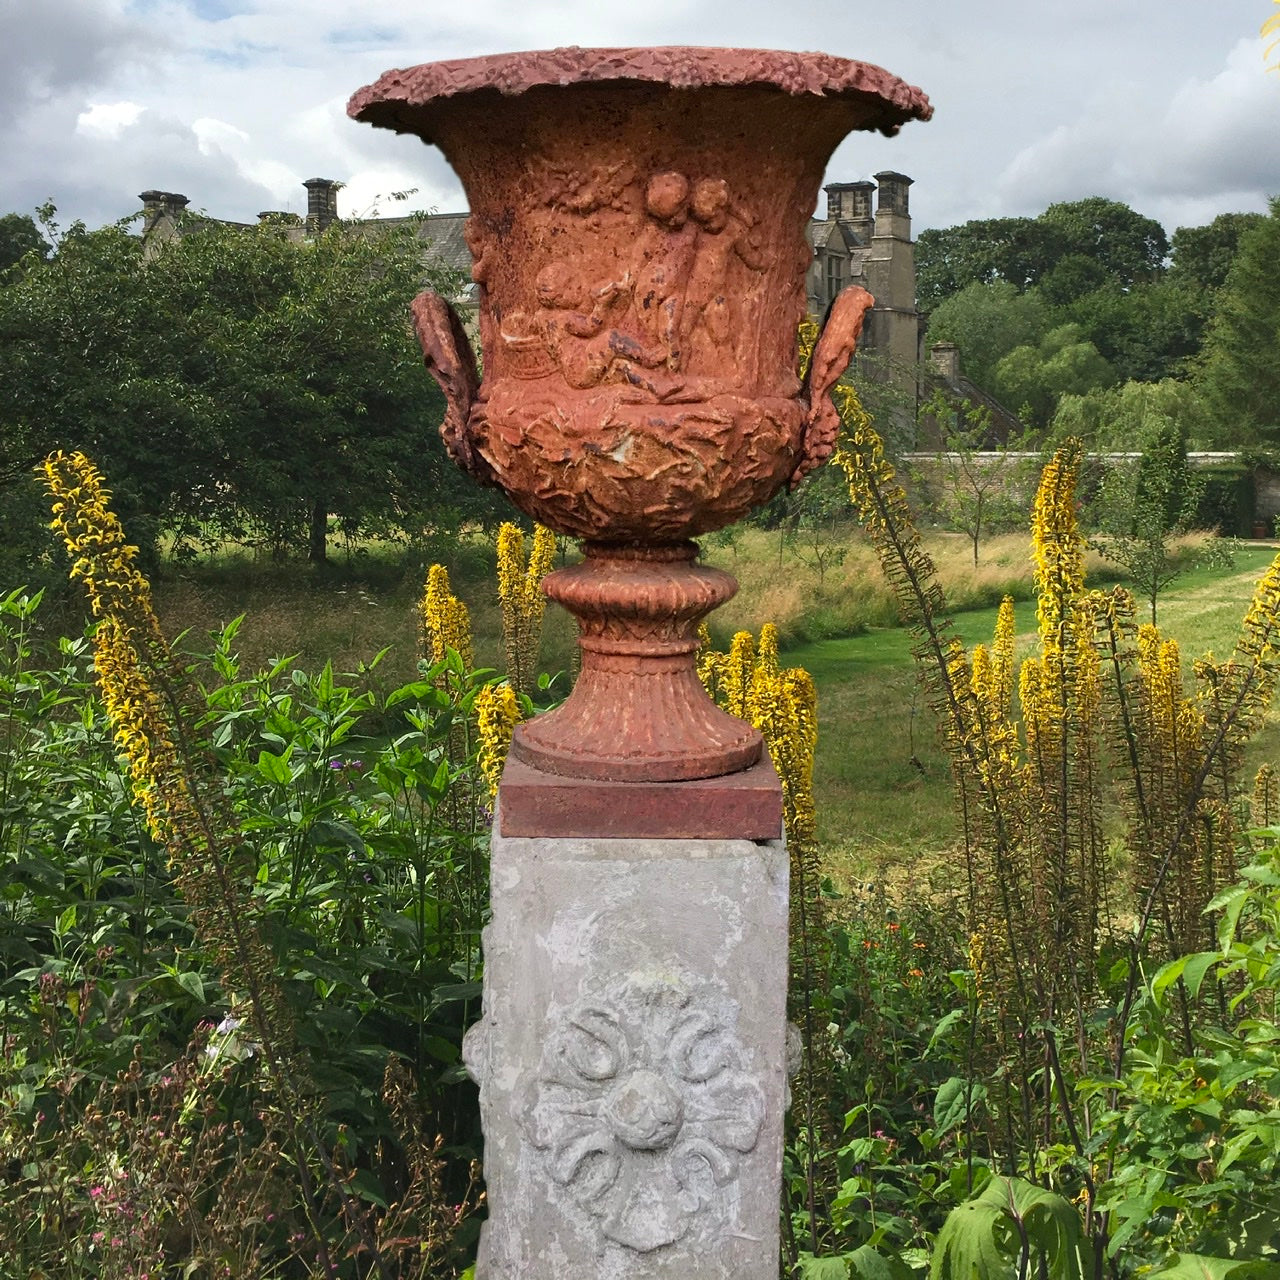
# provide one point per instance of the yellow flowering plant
(1098, 698)
(520, 598)
(314, 889)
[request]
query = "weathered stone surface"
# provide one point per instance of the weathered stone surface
(632, 1059)
(638, 234)
(746, 805)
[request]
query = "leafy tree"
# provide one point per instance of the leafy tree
(1074, 245)
(1240, 377)
(1036, 377)
(1144, 502)
(1202, 256)
(1112, 418)
(237, 380)
(1129, 247)
(987, 321)
(976, 485)
(19, 236)
(1076, 275)
(1149, 332)
(1018, 251)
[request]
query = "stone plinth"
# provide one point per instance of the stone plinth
(632, 1058)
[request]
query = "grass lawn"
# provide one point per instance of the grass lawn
(885, 807)
(883, 785)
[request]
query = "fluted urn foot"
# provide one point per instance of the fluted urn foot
(638, 711)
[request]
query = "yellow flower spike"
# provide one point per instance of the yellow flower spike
(737, 674)
(1002, 655)
(767, 651)
(497, 714)
(1057, 547)
(520, 598)
(445, 622)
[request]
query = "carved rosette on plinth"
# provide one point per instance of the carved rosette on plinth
(637, 227)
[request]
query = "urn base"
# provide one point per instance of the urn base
(638, 711)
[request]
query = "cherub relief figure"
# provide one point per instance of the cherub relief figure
(709, 318)
(664, 260)
(585, 348)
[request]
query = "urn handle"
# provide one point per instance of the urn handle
(831, 355)
(447, 353)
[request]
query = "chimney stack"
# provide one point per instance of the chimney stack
(160, 204)
(944, 357)
(849, 201)
(893, 193)
(322, 202)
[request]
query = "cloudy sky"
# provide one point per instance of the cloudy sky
(1164, 104)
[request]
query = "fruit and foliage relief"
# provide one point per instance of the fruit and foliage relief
(239, 936)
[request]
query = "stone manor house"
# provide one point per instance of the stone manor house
(863, 237)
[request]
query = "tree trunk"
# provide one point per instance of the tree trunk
(317, 542)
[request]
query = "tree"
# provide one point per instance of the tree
(1147, 333)
(976, 485)
(1202, 256)
(1111, 419)
(19, 236)
(1129, 247)
(1018, 251)
(987, 321)
(1035, 378)
(1144, 502)
(238, 380)
(1240, 375)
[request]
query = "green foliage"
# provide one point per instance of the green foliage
(1129, 247)
(1064, 362)
(1015, 251)
(1071, 248)
(1202, 256)
(363, 819)
(987, 321)
(1240, 378)
(1118, 418)
(978, 488)
(1011, 1228)
(1192, 1139)
(1145, 501)
(20, 236)
(233, 381)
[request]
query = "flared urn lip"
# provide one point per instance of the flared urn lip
(395, 100)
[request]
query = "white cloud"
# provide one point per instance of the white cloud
(107, 119)
(1205, 146)
(240, 100)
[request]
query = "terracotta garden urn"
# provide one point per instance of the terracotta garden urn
(637, 225)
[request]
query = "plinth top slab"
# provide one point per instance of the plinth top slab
(679, 67)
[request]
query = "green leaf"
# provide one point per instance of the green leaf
(955, 1100)
(364, 1184)
(192, 983)
(1190, 968)
(944, 1026)
(866, 1263)
(449, 991)
(275, 768)
(1199, 1266)
(811, 1268)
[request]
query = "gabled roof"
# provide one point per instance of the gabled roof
(829, 233)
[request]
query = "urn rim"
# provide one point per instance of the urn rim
(821, 75)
